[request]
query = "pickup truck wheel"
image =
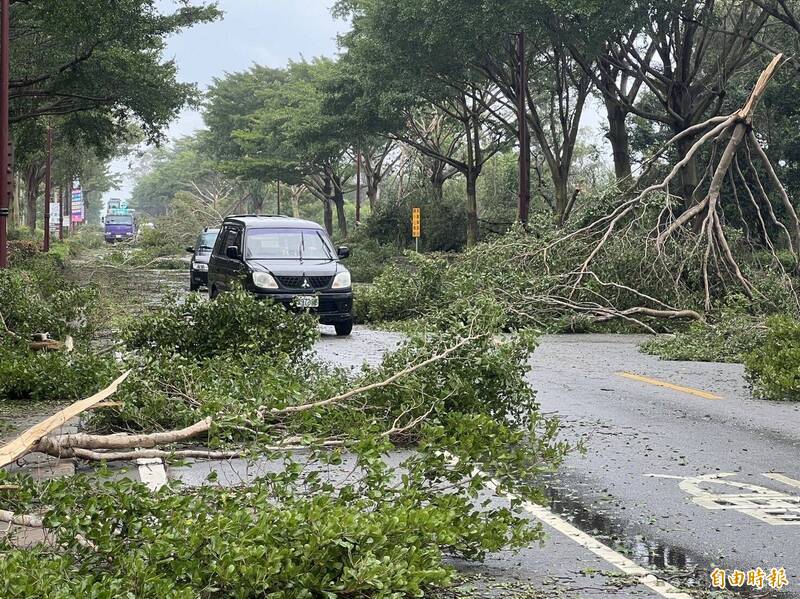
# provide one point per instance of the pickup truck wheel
(343, 329)
(212, 293)
(192, 285)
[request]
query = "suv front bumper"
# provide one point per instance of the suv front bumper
(333, 307)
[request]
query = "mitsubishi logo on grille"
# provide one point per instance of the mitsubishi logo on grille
(306, 284)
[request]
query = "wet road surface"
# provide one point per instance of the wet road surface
(673, 478)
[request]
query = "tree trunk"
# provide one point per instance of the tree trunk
(296, 192)
(257, 203)
(561, 200)
(30, 213)
(328, 216)
(472, 210)
(372, 196)
(618, 136)
(338, 201)
(327, 208)
(689, 175)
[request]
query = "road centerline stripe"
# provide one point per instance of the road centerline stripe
(667, 385)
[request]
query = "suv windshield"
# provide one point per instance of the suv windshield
(119, 220)
(207, 239)
(289, 244)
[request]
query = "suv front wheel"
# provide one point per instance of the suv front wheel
(343, 329)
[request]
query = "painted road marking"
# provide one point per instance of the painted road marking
(783, 479)
(604, 552)
(666, 385)
(152, 472)
(764, 504)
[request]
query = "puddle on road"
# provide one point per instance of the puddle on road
(680, 567)
(613, 534)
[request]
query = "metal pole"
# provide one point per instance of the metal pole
(48, 188)
(524, 134)
(5, 137)
(61, 213)
(279, 197)
(358, 188)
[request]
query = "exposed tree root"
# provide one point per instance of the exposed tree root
(718, 261)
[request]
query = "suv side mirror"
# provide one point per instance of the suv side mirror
(190, 249)
(344, 252)
(232, 252)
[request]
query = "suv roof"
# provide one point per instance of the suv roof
(271, 221)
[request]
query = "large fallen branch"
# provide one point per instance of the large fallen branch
(28, 441)
(277, 413)
(117, 447)
(717, 257)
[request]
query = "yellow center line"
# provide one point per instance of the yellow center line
(657, 383)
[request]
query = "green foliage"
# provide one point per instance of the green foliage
(728, 338)
(774, 365)
(52, 376)
(233, 324)
(165, 392)
(444, 221)
(362, 520)
(368, 257)
(402, 292)
(259, 540)
(101, 71)
(349, 525)
(39, 300)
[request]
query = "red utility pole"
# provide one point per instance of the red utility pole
(358, 187)
(5, 138)
(524, 204)
(48, 188)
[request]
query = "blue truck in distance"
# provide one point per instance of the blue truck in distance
(119, 223)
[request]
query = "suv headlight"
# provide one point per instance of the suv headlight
(200, 267)
(264, 280)
(342, 281)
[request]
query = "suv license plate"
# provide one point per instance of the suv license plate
(307, 301)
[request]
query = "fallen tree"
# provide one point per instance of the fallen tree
(735, 132)
(640, 261)
(347, 516)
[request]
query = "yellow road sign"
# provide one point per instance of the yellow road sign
(416, 223)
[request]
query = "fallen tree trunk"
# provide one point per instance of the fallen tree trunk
(28, 441)
(117, 447)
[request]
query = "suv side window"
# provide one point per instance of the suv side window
(219, 246)
(234, 237)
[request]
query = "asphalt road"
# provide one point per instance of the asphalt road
(637, 432)
(639, 435)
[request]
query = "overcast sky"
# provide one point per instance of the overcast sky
(267, 32)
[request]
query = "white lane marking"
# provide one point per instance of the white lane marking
(152, 472)
(767, 505)
(783, 479)
(604, 552)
